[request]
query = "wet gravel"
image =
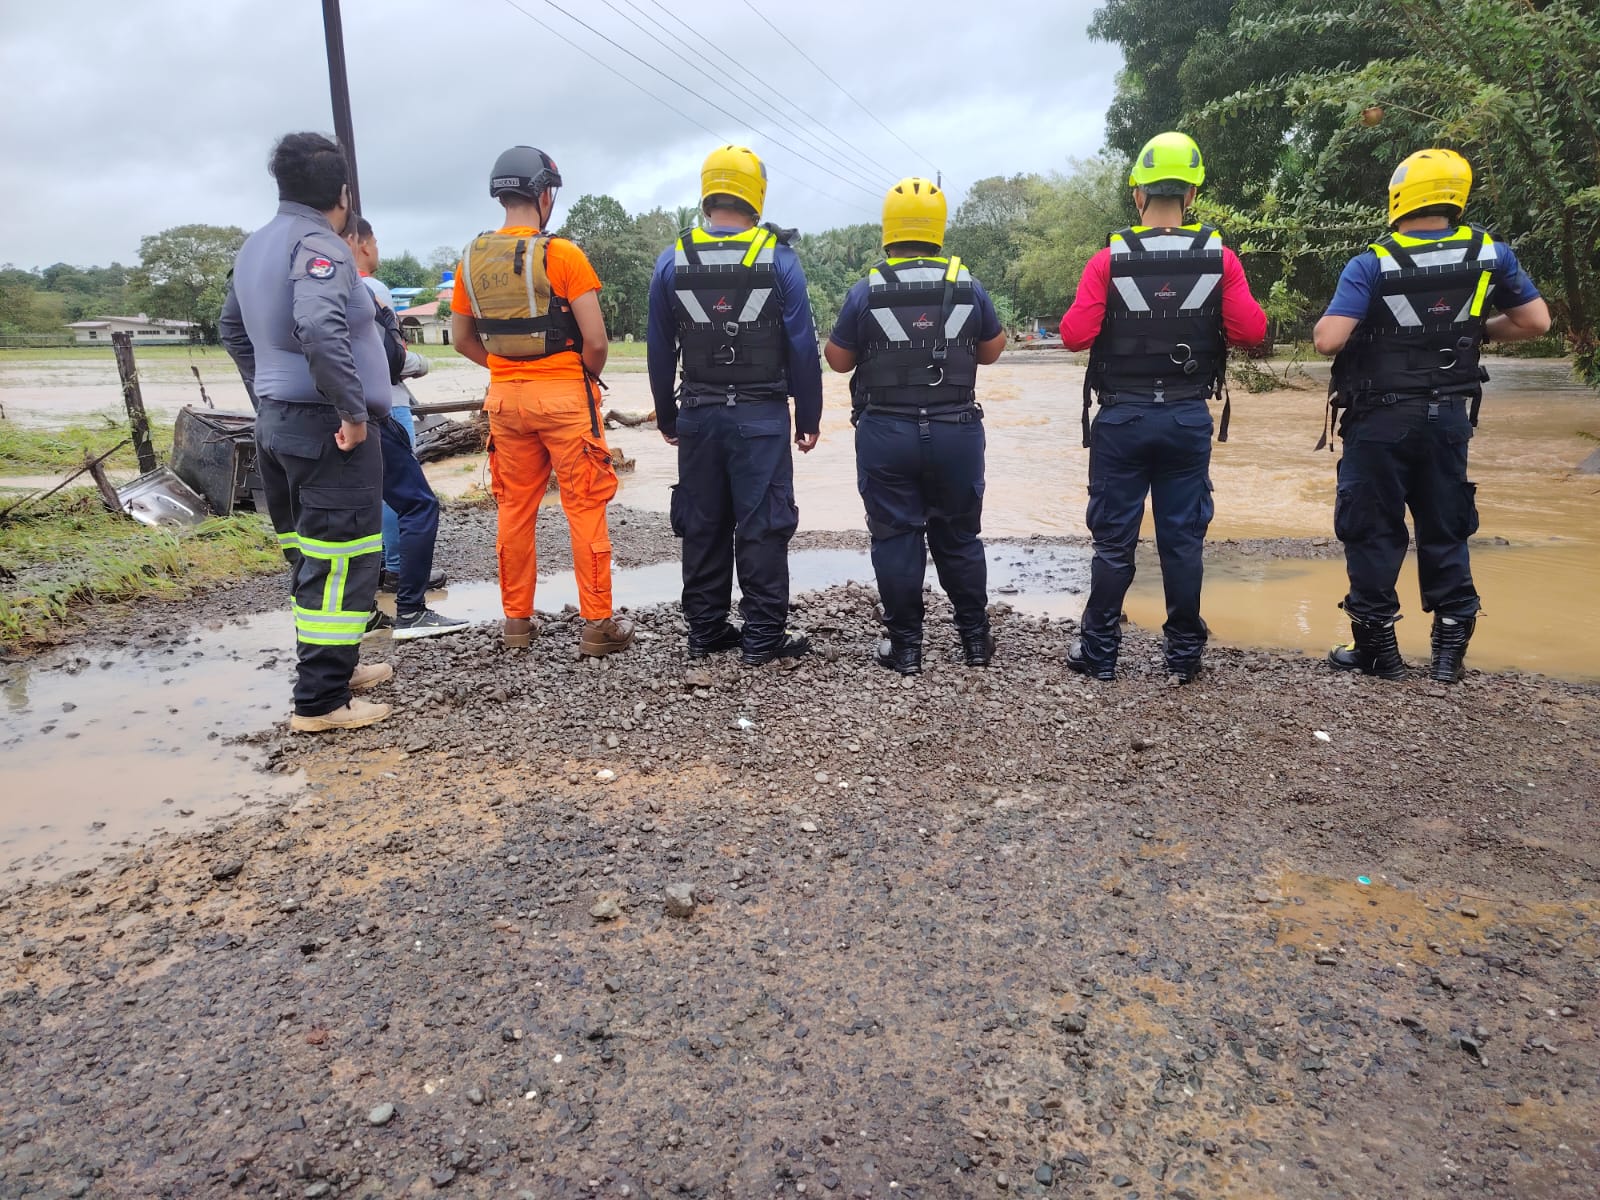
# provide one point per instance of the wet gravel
(646, 928)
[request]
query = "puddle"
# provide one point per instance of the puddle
(100, 750)
(1044, 580)
(1534, 600)
(99, 753)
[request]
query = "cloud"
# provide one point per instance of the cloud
(123, 120)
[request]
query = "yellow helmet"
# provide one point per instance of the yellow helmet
(1426, 178)
(1169, 165)
(914, 211)
(734, 171)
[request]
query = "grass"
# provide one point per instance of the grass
(68, 553)
(82, 354)
(25, 449)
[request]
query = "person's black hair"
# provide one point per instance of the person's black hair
(724, 200)
(1449, 211)
(310, 169)
(362, 228)
(912, 250)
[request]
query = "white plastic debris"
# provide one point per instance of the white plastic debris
(605, 774)
(1322, 735)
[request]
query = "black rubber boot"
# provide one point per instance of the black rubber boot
(977, 646)
(904, 657)
(1373, 652)
(1086, 666)
(1185, 670)
(793, 645)
(1450, 638)
(727, 638)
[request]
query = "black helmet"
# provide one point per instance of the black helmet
(523, 171)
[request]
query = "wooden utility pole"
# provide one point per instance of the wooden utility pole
(133, 398)
(339, 87)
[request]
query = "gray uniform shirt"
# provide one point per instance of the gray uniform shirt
(299, 324)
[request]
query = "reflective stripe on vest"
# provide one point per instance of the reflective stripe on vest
(1162, 335)
(517, 313)
(724, 300)
(1424, 326)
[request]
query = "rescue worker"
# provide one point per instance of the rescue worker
(407, 495)
(526, 305)
(1157, 309)
(303, 333)
(730, 299)
(1407, 324)
(915, 332)
(364, 246)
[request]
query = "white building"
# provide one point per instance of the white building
(153, 331)
(422, 323)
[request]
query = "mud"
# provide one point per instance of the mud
(951, 937)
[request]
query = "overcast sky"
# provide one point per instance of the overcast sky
(123, 119)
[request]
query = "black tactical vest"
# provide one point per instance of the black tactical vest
(729, 313)
(920, 355)
(1423, 331)
(1162, 336)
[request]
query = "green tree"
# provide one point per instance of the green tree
(183, 272)
(1071, 217)
(24, 308)
(617, 250)
(404, 271)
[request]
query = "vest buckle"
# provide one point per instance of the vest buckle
(732, 353)
(1188, 361)
(940, 379)
(730, 328)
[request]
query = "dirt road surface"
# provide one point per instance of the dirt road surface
(572, 930)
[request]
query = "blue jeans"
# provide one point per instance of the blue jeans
(406, 490)
(1163, 450)
(922, 485)
(391, 521)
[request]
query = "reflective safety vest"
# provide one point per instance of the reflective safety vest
(729, 313)
(1424, 328)
(508, 285)
(1162, 335)
(920, 355)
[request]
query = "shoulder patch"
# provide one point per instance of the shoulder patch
(320, 268)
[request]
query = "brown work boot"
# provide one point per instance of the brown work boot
(353, 715)
(370, 675)
(518, 633)
(605, 636)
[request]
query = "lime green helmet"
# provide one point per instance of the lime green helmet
(1169, 165)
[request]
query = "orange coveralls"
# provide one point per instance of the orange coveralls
(540, 418)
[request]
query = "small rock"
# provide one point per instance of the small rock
(442, 1177)
(381, 1115)
(474, 1096)
(1002, 1181)
(1327, 960)
(821, 777)
(606, 909)
(1262, 897)
(613, 984)
(320, 1188)
(680, 900)
(1044, 1174)
(227, 868)
(1468, 912)
(808, 826)
(697, 677)
(605, 775)
(1120, 1181)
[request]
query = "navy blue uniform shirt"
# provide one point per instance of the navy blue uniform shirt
(803, 366)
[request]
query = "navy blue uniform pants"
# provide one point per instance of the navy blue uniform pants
(922, 485)
(327, 507)
(734, 504)
(1412, 454)
(407, 492)
(1164, 450)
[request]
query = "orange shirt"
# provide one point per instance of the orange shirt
(571, 276)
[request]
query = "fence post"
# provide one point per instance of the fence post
(122, 343)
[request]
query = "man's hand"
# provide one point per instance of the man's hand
(806, 441)
(350, 435)
(669, 439)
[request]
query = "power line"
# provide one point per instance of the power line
(862, 159)
(644, 62)
(838, 85)
(668, 105)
